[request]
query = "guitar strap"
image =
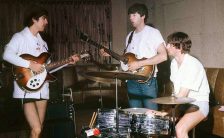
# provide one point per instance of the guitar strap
(129, 41)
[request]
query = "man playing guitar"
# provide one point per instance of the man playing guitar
(29, 41)
(145, 43)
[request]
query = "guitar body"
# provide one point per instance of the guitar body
(26, 79)
(146, 71)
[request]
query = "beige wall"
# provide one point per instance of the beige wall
(203, 20)
(119, 25)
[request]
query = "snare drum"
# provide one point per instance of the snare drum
(135, 114)
(148, 122)
(106, 122)
(153, 124)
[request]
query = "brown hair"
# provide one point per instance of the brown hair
(180, 40)
(139, 8)
(33, 12)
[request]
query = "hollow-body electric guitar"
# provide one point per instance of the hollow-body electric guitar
(31, 81)
(146, 71)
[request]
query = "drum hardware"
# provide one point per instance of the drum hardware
(173, 101)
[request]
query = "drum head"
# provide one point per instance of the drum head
(136, 110)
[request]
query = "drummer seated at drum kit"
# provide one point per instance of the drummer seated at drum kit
(189, 81)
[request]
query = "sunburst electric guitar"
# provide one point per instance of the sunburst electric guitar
(31, 81)
(145, 71)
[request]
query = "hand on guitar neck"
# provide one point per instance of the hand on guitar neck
(74, 58)
(103, 53)
(132, 66)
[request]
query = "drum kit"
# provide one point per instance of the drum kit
(122, 123)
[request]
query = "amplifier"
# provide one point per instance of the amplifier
(62, 128)
(59, 122)
(60, 110)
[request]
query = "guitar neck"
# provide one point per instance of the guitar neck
(110, 52)
(57, 64)
(61, 63)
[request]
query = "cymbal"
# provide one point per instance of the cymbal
(116, 74)
(99, 79)
(173, 100)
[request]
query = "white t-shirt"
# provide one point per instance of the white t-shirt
(145, 43)
(25, 42)
(191, 75)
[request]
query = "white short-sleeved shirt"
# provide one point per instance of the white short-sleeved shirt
(145, 43)
(191, 75)
(25, 42)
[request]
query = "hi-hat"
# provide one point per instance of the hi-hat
(172, 100)
(116, 74)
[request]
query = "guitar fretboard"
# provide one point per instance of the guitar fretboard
(57, 64)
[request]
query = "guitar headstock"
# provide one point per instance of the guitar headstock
(82, 36)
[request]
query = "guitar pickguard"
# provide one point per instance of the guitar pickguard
(124, 67)
(36, 81)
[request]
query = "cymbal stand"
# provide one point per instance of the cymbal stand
(116, 97)
(173, 135)
(117, 115)
(101, 98)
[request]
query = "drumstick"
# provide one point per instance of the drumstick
(91, 119)
(94, 120)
